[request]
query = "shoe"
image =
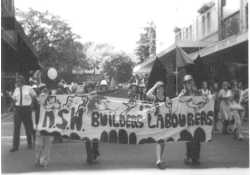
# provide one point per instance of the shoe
(96, 155)
(30, 146)
(187, 161)
(89, 161)
(196, 162)
(161, 165)
(13, 149)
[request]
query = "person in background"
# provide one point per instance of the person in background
(141, 89)
(225, 96)
(103, 85)
(133, 92)
(240, 88)
(92, 147)
(244, 103)
(235, 90)
(193, 147)
(237, 110)
(73, 87)
(23, 96)
(204, 89)
(32, 79)
(158, 94)
(215, 93)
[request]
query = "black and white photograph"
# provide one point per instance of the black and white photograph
(124, 87)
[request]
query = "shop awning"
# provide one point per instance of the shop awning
(188, 47)
(221, 45)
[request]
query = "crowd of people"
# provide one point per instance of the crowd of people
(231, 104)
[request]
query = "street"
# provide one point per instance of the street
(222, 152)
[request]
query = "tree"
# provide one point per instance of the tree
(147, 43)
(119, 67)
(55, 43)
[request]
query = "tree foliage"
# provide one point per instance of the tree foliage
(53, 39)
(119, 67)
(146, 45)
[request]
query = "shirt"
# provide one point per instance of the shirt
(27, 94)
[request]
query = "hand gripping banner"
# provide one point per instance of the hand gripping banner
(115, 120)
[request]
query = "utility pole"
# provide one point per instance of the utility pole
(221, 4)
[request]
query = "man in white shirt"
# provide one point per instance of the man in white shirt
(23, 96)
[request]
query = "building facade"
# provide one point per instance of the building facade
(216, 20)
(18, 55)
(217, 41)
(223, 24)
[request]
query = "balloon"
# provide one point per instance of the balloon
(52, 73)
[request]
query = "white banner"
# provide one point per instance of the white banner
(115, 120)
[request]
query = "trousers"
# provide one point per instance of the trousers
(22, 115)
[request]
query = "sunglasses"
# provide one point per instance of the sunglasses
(188, 82)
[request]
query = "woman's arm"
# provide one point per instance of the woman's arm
(150, 93)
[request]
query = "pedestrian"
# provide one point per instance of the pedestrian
(158, 94)
(193, 147)
(225, 95)
(23, 96)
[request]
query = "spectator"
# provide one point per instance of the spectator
(225, 95)
(103, 85)
(204, 89)
(23, 96)
(133, 92)
(141, 89)
(215, 93)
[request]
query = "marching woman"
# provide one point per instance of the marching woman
(92, 147)
(43, 142)
(192, 147)
(158, 94)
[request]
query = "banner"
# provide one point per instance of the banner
(115, 120)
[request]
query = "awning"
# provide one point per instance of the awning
(188, 47)
(221, 45)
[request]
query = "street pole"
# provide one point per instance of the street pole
(176, 79)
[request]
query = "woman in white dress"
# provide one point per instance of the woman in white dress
(225, 96)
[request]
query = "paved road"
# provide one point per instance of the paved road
(222, 152)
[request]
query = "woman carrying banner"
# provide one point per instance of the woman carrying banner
(158, 94)
(43, 142)
(192, 147)
(92, 147)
